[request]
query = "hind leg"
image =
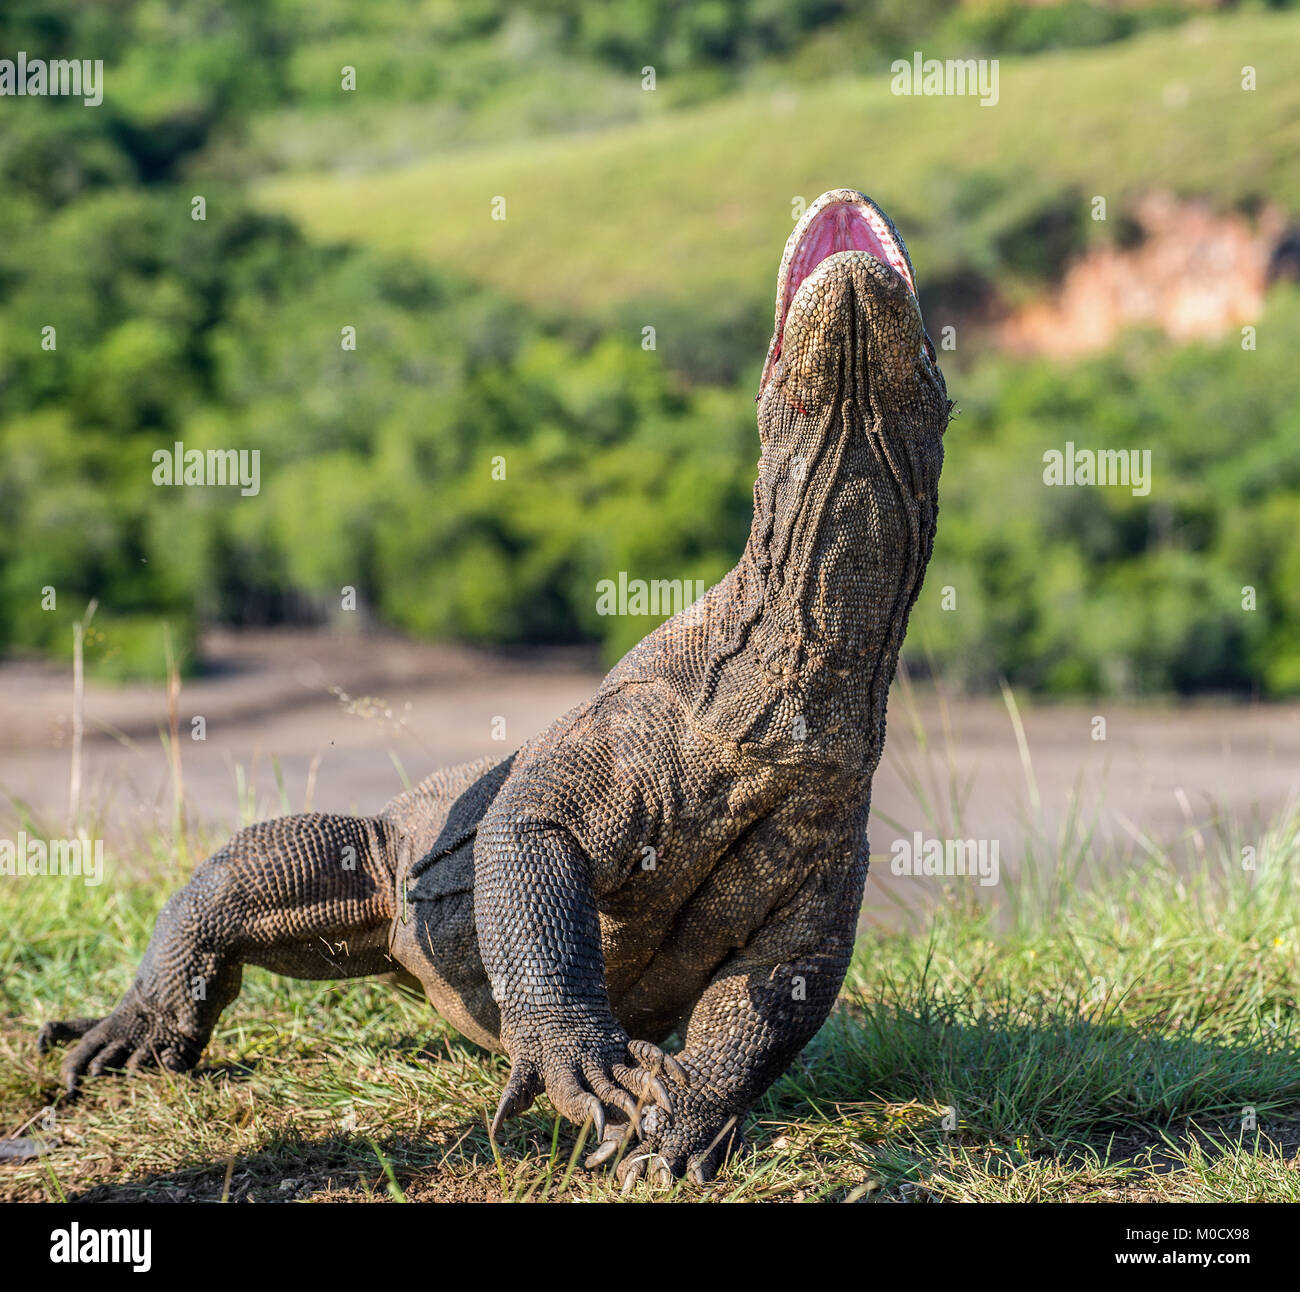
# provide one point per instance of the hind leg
(307, 896)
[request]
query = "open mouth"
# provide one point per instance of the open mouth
(838, 226)
(843, 226)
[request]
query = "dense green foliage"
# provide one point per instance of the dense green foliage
(197, 57)
(377, 465)
(1093, 589)
(473, 472)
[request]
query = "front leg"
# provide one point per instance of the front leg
(539, 936)
(762, 1007)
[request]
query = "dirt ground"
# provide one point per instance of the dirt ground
(342, 714)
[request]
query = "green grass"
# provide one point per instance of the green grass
(689, 208)
(1080, 1042)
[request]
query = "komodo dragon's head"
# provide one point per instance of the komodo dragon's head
(848, 324)
(851, 416)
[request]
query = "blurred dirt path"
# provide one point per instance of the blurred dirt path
(357, 707)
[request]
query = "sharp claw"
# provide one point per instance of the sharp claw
(606, 1150)
(628, 1101)
(629, 1107)
(633, 1169)
(661, 1096)
(502, 1114)
(615, 1139)
(675, 1070)
(516, 1098)
(596, 1112)
(661, 1173)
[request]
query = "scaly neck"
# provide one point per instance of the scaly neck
(810, 628)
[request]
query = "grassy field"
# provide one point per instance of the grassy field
(1102, 1042)
(599, 222)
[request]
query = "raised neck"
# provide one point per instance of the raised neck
(807, 634)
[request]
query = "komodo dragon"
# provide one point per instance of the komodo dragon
(685, 850)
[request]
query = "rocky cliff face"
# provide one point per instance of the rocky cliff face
(1190, 272)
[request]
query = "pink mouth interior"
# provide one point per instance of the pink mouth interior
(841, 226)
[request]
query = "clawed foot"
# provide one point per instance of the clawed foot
(130, 1038)
(595, 1074)
(692, 1146)
(636, 1098)
(690, 1141)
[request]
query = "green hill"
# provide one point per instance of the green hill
(687, 210)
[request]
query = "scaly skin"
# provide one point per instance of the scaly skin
(686, 851)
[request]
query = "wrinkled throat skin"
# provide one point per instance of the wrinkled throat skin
(801, 640)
